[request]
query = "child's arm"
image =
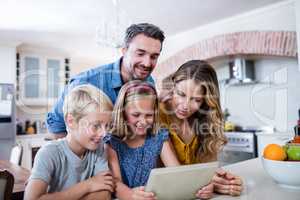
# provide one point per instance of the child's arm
(37, 189)
(123, 192)
(103, 195)
(168, 155)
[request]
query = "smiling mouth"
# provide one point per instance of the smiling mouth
(144, 70)
(96, 141)
(143, 128)
(182, 112)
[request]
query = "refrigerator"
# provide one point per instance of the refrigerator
(7, 120)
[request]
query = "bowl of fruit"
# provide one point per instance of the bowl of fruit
(282, 163)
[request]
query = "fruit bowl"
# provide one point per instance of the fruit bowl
(285, 173)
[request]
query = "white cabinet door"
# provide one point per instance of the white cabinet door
(30, 80)
(53, 78)
(277, 138)
(41, 79)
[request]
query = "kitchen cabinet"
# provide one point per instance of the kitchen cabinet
(40, 78)
(263, 139)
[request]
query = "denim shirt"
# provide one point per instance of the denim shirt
(106, 77)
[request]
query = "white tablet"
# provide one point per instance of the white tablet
(182, 182)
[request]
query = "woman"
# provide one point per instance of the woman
(190, 109)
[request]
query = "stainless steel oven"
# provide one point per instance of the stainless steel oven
(240, 146)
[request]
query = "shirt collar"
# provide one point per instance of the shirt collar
(116, 74)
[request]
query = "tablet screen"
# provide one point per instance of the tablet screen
(180, 182)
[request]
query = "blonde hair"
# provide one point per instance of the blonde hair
(207, 123)
(132, 90)
(84, 99)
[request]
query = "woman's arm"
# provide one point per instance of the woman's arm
(168, 155)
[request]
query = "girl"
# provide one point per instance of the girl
(136, 142)
(190, 109)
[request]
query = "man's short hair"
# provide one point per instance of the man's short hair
(147, 29)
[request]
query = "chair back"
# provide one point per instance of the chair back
(16, 154)
(6, 185)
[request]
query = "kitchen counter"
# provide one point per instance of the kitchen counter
(30, 144)
(257, 183)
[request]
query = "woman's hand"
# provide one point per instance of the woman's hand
(227, 183)
(140, 194)
(206, 192)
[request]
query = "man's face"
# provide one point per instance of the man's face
(140, 57)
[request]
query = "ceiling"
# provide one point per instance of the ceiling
(70, 25)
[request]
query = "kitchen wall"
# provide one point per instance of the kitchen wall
(274, 100)
(260, 104)
(80, 65)
(7, 75)
(297, 11)
(280, 16)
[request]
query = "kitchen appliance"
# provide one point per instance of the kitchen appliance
(241, 71)
(7, 112)
(240, 146)
(7, 120)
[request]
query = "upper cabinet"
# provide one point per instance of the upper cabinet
(40, 78)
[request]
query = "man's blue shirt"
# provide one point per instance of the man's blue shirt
(106, 77)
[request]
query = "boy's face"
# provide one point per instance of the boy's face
(92, 127)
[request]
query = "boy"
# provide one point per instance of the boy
(76, 167)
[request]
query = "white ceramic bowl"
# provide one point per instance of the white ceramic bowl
(285, 173)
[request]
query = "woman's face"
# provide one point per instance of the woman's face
(187, 98)
(139, 115)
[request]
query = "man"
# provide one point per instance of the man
(142, 47)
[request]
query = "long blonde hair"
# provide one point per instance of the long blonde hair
(207, 122)
(131, 91)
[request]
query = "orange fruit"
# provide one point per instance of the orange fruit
(274, 152)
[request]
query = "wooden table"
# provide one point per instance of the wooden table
(20, 175)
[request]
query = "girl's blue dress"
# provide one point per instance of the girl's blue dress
(136, 163)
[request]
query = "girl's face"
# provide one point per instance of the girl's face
(187, 98)
(91, 128)
(139, 115)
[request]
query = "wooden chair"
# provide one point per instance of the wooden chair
(16, 154)
(6, 185)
